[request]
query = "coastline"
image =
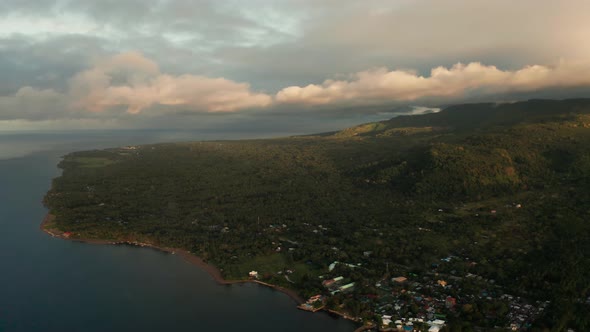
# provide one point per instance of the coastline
(189, 257)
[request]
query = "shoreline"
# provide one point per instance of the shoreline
(187, 256)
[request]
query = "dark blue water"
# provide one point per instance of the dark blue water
(49, 284)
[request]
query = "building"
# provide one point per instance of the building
(332, 282)
(253, 274)
(315, 298)
(399, 280)
(436, 325)
(328, 283)
(347, 287)
(385, 320)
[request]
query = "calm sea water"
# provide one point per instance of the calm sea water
(48, 284)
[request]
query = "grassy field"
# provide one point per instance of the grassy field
(92, 162)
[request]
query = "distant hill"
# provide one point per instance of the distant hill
(482, 115)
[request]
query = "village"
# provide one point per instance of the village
(406, 301)
(426, 302)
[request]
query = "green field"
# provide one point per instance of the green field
(91, 161)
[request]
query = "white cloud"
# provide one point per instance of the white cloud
(128, 81)
(417, 110)
(32, 103)
(381, 85)
(132, 82)
(135, 82)
(43, 27)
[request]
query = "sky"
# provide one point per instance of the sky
(284, 66)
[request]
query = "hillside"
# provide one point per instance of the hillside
(467, 117)
(491, 198)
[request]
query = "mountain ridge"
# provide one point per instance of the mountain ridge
(484, 115)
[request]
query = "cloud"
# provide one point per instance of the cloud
(132, 81)
(130, 90)
(417, 110)
(351, 36)
(274, 44)
(473, 79)
(135, 82)
(33, 104)
(272, 58)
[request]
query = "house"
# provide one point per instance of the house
(253, 274)
(328, 283)
(399, 280)
(315, 298)
(67, 234)
(347, 287)
(437, 322)
(385, 320)
(331, 282)
(332, 266)
(436, 325)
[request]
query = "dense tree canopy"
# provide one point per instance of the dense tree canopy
(506, 187)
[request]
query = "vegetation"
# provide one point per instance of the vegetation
(504, 189)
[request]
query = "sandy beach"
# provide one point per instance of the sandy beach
(213, 271)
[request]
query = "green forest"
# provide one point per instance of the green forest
(496, 191)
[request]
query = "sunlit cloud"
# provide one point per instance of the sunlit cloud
(473, 79)
(135, 82)
(132, 84)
